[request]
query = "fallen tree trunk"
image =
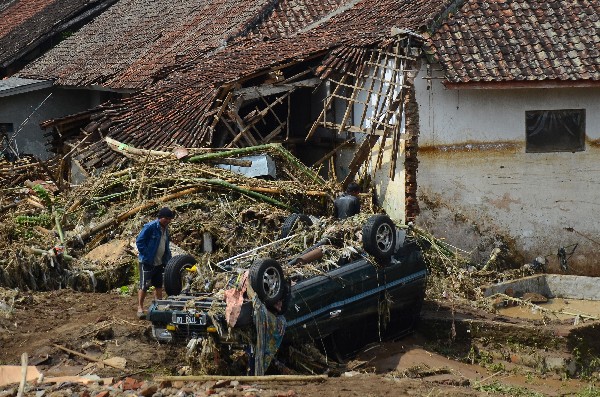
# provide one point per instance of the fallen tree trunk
(274, 378)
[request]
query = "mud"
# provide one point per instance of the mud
(103, 325)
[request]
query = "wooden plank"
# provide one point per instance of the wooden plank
(327, 104)
(222, 109)
(274, 133)
(334, 151)
(360, 157)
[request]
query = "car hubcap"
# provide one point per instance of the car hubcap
(271, 282)
(384, 237)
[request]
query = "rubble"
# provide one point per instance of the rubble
(82, 238)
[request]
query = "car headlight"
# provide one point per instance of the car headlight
(162, 334)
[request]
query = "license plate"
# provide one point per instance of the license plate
(188, 318)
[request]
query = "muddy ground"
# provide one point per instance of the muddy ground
(104, 325)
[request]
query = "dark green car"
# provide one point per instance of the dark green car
(377, 295)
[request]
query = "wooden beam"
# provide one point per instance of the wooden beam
(359, 158)
(327, 103)
(334, 151)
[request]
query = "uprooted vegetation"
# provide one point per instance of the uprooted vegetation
(48, 235)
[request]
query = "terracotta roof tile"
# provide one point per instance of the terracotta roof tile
(529, 40)
(176, 109)
(28, 23)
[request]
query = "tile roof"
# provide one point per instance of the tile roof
(28, 23)
(520, 40)
(176, 110)
(138, 42)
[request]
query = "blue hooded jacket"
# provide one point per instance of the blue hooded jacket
(147, 243)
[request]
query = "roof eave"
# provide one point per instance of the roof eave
(25, 85)
(511, 85)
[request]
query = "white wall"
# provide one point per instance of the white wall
(487, 176)
(376, 97)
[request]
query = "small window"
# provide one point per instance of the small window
(555, 130)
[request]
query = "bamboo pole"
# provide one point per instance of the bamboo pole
(126, 149)
(133, 211)
(24, 362)
(49, 253)
(263, 378)
(89, 358)
(227, 153)
(247, 192)
(252, 149)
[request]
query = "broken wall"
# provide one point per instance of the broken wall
(371, 107)
(473, 167)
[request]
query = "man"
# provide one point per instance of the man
(154, 253)
(348, 204)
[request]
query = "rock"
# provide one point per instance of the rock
(164, 384)
(222, 383)
(534, 297)
(148, 391)
(9, 393)
(131, 384)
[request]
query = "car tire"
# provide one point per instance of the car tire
(379, 236)
(291, 221)
(174, 272)
(268, 281)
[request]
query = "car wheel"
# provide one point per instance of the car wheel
(267, 280)
(292, 221)
(175, 272)
(379, 236)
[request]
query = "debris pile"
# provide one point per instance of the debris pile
(50, 236)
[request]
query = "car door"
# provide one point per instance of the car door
(324, 304)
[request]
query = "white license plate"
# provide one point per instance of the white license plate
(187, 318)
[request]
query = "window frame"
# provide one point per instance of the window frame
(554, 126)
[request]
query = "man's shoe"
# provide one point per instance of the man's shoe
(141, 315)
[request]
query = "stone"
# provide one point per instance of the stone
(148, 391)
(222, 383)
(534, 297)
(8, 393)
(131, 384)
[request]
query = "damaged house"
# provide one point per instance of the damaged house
(504, 91)
(326, 82)
(29, 29)
(511, 100)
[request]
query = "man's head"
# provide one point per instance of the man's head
(165, 216)
(353, 189)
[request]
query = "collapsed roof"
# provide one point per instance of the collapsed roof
(178, 108)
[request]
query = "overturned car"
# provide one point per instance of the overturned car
(374, 291)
